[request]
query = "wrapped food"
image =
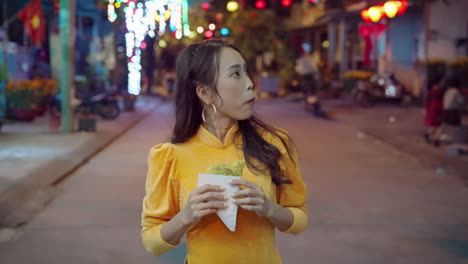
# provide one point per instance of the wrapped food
(221, 174)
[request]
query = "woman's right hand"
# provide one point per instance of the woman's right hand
(204, 200)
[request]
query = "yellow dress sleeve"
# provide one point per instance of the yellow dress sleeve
(293, 196)
(160, 203)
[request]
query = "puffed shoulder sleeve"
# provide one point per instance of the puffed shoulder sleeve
(160, 202)
(293, 196)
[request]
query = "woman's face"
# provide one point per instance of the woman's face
(234, 87)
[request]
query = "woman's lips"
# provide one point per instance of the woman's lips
(250, 101)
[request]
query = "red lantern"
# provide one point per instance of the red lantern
(375, 13)
(286, 3)
(365, 15)
(205, 6)
(390, 8)
(260, 4)
(402, 6)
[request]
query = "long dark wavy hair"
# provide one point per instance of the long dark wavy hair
(198, 64)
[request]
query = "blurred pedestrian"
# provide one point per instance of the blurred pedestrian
(214, 124)
(433, 111)
(168, 59)
(453, 103)
(307, 66)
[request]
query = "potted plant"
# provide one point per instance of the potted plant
(21, 100)
(45, 90)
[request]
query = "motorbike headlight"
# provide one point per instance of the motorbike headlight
(391, 91)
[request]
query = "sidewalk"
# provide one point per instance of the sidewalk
(401, 128)
(33, 160)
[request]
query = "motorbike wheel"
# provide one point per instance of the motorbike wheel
(109, 111)
(363, 99)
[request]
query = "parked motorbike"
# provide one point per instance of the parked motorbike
(383, 88)
(104, 104)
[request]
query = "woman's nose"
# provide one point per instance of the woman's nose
(249, 84)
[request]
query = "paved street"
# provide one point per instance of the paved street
(368, 203)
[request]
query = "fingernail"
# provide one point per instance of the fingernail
(222, 188)
(226, 204)
(230, 182)
(225, 198)
(234, 200)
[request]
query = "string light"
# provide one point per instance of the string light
(143, 19)
(224, 31)
(111, 14)
(162, 43)
(232, 6)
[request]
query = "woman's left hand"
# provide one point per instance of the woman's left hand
(251, 198)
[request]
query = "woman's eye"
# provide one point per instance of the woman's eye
(236, 74)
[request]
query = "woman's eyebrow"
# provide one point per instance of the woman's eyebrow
(236, 66)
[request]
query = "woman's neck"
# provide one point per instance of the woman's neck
(219, 127)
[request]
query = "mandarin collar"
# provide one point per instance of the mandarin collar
(206, 137)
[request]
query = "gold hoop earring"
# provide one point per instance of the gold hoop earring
(214, 109)
(203, 112)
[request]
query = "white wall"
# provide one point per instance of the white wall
(447, 23)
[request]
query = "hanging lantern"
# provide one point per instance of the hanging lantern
(260, 4)
(365, 15)
(286, 3)
(402, 6)
(375, 13)
(205, 6)
(391, 9)
(232, 6)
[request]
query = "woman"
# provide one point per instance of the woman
(433, 111)
(453, 103)
(214, 124)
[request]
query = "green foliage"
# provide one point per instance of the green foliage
(3, 73)
(234, 169)
(255, 32)
(29, 94)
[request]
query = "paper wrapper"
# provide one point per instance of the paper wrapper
(229, 214)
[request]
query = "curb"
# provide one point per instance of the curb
(429, 161)
(19, 203)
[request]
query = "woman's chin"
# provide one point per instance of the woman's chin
(246, 116)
